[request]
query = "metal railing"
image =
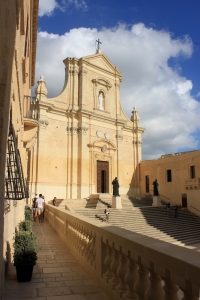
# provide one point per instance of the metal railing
(30, 108)
(195, 208)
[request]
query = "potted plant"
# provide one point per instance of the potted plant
(28, 214)
(25, 254)
(25, 226)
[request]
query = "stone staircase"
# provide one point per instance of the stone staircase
(151, 221)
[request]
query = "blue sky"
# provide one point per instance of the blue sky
(154, 43)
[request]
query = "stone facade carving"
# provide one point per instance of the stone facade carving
(75, 130)
(119, 137)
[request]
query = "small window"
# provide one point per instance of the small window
(192, 171)
(169, 175)
(147, 183)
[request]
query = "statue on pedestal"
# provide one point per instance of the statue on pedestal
(115, 184)
(155, 188)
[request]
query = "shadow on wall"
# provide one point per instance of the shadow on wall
(8, 258)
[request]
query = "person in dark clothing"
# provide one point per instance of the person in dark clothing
(176, 211)
(115, 184)
(54, 201)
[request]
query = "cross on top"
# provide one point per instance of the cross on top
(98, 42)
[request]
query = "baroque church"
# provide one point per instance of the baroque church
(85, 139)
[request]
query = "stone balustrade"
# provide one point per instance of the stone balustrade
(128, 265)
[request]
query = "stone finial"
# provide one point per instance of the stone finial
(41, 89)
(135, 118)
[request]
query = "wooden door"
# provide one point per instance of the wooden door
(102, 176)
(184, 200)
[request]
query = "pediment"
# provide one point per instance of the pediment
(101, 60)
(103, 142)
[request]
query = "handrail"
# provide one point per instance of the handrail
(116, 258)
(194, 208)
(161, 195)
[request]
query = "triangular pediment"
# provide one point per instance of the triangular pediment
(101, 60)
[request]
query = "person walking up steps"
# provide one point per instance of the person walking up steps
(107, 212)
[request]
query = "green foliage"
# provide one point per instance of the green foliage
(25, 248)
(25, 226)
(27, 207)
(28, 215)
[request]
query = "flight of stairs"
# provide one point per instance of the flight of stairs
(150, 221)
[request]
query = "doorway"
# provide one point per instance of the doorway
(184, 200)
(102, 176)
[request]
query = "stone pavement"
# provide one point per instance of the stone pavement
(57, 274)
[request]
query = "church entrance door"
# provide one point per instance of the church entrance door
(102, 176)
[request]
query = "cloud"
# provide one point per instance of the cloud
(161, 95)
(48, 7)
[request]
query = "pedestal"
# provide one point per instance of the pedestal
(116, 202)
(156, 201)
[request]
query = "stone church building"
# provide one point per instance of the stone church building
(85, 139)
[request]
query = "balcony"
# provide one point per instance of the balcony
(30, 118)
(192, 184)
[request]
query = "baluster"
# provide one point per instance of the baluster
(89, 253)
(187, 292)
(90, 256)
(88, 244)
(114, 266)
(130, 279)
(169, 288)
(78, 237)
(85, 242)
(107, 262)
(142, 281)
(93, 259)
(82, 241)
(121, 272)
(154, 290)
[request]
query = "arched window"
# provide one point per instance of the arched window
(101, 101)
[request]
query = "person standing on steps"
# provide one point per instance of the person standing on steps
(176, 211)
(54, 201)
(107, 212)
(168, 208)
(115, 184)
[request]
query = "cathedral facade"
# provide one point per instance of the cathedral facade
(85, 139)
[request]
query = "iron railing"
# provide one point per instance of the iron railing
(31, 108)
(15, 185)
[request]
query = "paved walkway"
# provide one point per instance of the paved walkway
(57, 275)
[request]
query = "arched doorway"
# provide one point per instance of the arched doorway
(102, 176)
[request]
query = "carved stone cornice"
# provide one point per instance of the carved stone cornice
(43, 123)
(103, 82)
(137, 143)
(82, 130)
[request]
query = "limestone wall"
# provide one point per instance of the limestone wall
(181, 183)
(17, 59)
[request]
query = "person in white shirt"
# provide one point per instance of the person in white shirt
(40, 207)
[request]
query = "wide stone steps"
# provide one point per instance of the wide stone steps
(153, 222)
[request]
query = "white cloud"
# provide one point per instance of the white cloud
(47, 7)
(160, 94)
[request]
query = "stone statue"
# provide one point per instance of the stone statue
(115, 184)
(155, 188)
(100, 101)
